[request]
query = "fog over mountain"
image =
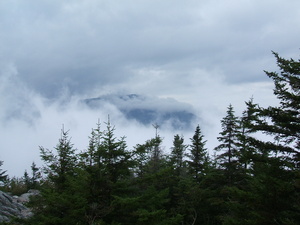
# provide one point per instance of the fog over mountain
(149, 109)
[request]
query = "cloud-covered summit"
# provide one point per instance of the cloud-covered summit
(148, 109)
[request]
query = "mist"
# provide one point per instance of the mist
(29, 120)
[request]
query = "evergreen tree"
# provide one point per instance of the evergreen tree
(27, 181)
(107, 165)
(61, 165)
(141, 158)
(148, 157)
(229, 134)
(228, 174)
(177, 154)
(61, 200)
(200, 189)
(115, 156)
(285, 119)
(276, 166)
(95, 177)
(239, 210)
(246, 142)
(198, 155)
(35, 176)
(3, 176)
(33, 181)
(150, 201)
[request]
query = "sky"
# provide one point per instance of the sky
(204, 54)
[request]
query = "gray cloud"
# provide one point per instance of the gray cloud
(86, 44)
(205, 53)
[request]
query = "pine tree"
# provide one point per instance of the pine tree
(276, 166)
(285, 126)
(239, 195)
(246, 143)
(61, 165)
(116, 158)
(229, 134)
(150, 199)
(3, 176)
(198, 155)
(35, 176)
(227, 177)
(61, 200)
(148, 157)
(27, 181)
(107, 165)
(177, 154)
(33, 181)
(91, 161)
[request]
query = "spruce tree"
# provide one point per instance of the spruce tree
(229, 142)
(153, 187)
(227, 175)
(3, 176)
(61, 164)
(198, 156)
(91, 162)
(276, 166)
(35, 176)
(246, 141)
(115, 156)
(285, 126)
(107, 164)
(177, 154)
(61, 200)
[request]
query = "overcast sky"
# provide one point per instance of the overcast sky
(207, 54)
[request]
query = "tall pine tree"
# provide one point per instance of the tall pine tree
(276, 167)
(198, 156)
(3, 176)
(177, 154)
(61, 200)
(228, 145)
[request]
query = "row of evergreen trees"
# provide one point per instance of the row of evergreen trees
(253, 177)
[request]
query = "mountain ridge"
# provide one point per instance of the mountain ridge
(148, 109)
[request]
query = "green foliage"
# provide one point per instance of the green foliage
(228, 159)
(177, 153)
(16, 186)
(198, 156)
(3, 176)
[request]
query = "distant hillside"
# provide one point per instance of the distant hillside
(148, 110)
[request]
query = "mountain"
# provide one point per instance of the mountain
(148, 109)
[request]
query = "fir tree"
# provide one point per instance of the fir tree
(107, 165)
(198, 155)
(177, 154)
(3, 176)
(61, 200)
(35, 176)
(276, 167)
(246, 143)
(229, 134)
(61, 165)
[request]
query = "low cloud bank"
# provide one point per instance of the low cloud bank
(29, 120)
